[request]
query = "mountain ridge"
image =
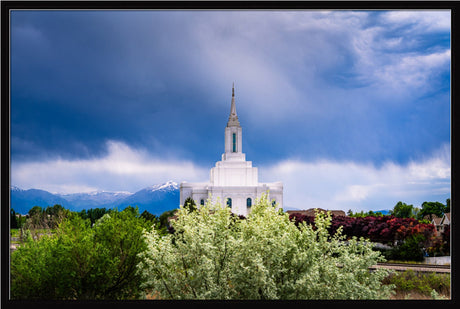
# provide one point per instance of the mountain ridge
(156, 199)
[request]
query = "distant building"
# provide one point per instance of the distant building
(446, 219)
(233, 180)
(441, 223)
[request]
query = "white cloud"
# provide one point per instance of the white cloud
(326, 184)
(122, 169)
(432, 20)
(348, 185)
(293, 57)
(413, 70)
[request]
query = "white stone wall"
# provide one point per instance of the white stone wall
(238, 194)
(229, 139)
(234, 174)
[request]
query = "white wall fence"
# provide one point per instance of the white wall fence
(438, 260)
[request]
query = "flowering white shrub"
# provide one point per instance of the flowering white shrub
(216, 255)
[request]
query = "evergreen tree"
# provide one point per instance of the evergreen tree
(13, 219)
(190, 204)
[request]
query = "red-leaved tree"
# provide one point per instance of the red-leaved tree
(384, 229)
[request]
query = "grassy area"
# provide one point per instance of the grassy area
(15, 232)
(404, 262)
(413, 285)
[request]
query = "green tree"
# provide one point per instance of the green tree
(16, 220)
(215, 255)
(402, 210)
(416, 213)
(410, 249)
(432, 209)
(13, 219)
(190, 204)
(93, 214)
(38, 219)
(163, 225)
(82, 262)
(55, 215)
(148, 216)
(54, 210)
(121, 236)
(36, 210)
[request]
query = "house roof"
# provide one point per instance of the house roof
(446, 218)
(436, 221)
(430, 217)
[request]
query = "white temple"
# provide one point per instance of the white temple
(233, 181)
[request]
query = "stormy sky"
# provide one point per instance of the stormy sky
(349, 109)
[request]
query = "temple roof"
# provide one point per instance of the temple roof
(233, 118)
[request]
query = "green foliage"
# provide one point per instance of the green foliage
(190, 204)
(402, 210)
(16, 220)
(13, 219)
(163, 225)
(363, 214)
(216, 255)
(80, 261)
(433, 209)
(36, 210)
(148, 216)
(423, 283)
(409, 250)
(93, 214)
(45, 218)
(55, 210)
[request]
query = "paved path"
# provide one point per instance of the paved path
(415, 267)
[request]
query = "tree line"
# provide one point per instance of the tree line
(407, 229)
(208, 253)
(427, 211)
(49, 217)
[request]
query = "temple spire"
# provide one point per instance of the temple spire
(233, 118)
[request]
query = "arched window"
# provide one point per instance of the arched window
(229, 202)
(249, 202)
(202, 202)
(234, 142)
(273, 203)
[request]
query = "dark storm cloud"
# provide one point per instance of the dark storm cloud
(92, 76)
(163, 78)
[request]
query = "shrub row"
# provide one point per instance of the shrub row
(383, 229)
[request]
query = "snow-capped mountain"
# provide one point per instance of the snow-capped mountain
(97, 199)
(167, 186)
(23, 200)
(156, 199)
